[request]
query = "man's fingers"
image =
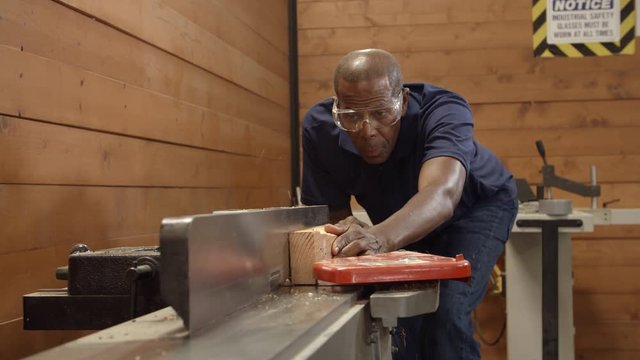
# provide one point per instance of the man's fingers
(342, 241)
(351, 243)
(354, 248)
(338, 244)
(335, 229)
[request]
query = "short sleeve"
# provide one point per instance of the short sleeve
(448, 131)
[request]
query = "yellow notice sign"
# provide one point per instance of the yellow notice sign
(577, 28)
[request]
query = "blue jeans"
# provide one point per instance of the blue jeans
(448, 333)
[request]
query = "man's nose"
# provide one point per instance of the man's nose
(367, 127)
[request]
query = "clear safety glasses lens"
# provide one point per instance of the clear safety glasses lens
(353, 120)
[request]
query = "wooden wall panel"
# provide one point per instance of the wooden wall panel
(412, 38)
(323, 14)
(40, 153)
(85, 99)
(115, 116)
(608, 338)
(553, 115)
(49, 215)
(594, 354)
(482, 89)
(80, 41)
(458, 62)
(592, 309)
(179, 35)
(270, 27)
(214, 17)
(607, 252)
(585, 110)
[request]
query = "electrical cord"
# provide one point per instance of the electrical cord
(478, 331)
(497, 288)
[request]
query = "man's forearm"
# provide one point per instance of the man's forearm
(423, 213)
(440, 189)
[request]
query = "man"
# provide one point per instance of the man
(408, 155)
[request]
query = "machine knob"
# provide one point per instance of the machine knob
(62, 273)
(79, 248)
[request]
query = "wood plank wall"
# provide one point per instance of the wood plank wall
(585, 110)
(115, 114)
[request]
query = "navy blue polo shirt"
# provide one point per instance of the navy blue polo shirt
(437, 123)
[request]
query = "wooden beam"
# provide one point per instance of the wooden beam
(412, 38)
(80, 41)
(81, 98)
(51, 154)
(305, 248)
(177, 34)
(44, 216)
(361, 13)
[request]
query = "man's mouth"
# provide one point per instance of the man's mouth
(371, 151)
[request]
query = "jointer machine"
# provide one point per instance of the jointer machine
(220, 286)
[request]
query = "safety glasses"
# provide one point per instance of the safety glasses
(353, 120)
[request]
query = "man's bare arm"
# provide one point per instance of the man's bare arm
(440, 188)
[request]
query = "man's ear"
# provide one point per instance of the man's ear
(405, 100)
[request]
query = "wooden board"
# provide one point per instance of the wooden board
(481, 89)
(338, 14)
(605, 337)
(554, 115)
(307, 247)
(220, 21)
(412, 38)
(79, 41)
(270, 27)
(592, 309)
(173, 32)
(606, 252)
(607, 280)
(42, 153)
(473, 62)
(46, 215)
(609, 354)
(623, 232)
(84, 99)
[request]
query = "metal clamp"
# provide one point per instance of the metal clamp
(389, 305)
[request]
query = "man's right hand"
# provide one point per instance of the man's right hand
(355, 238)
(343, 225)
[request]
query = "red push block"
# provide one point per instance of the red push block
(396, 266)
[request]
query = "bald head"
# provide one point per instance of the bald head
(366, 65)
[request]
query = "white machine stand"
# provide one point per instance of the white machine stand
(524, 288)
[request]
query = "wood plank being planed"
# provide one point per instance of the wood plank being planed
(305, 248)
